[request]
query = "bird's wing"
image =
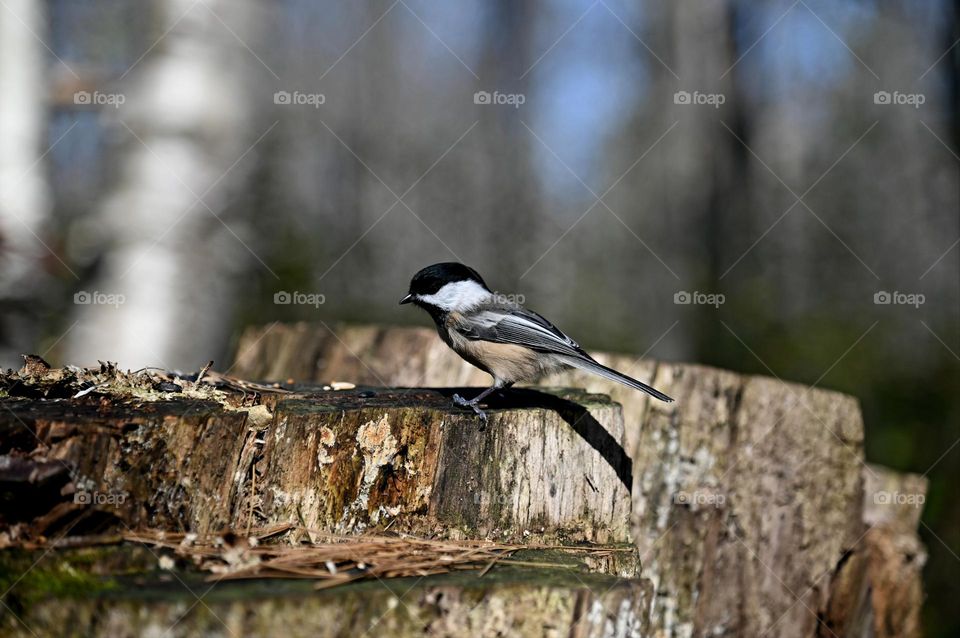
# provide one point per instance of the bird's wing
(526, 328)
(518, 326)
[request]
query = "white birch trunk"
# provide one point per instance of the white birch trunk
(24, 197)
(186, 120)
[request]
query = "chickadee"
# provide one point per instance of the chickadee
(499, 336)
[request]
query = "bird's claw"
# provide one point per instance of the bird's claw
(473, 405)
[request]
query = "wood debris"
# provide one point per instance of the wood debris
(37, 380)
(337, 559)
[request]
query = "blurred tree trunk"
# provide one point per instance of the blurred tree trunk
(728, 158)
(708, 180)
(24, 196)
(953, 74)
(174, 245)
(507, 190)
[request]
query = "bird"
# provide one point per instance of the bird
(498, 335)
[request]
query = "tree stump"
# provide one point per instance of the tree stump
(546, 464)
(506, 602)
(748, 493)
(747, 502)
(548, 467)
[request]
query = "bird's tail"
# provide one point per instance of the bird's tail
(609, 373)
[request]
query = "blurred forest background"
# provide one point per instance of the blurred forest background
(170, 168)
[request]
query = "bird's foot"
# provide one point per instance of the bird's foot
(473, 404)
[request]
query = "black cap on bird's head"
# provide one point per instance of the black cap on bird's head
(432, 278)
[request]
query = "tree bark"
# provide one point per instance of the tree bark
(545, 466)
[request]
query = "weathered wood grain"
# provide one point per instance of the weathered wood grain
(546, 465)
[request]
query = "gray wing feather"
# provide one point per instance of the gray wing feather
(522, 327)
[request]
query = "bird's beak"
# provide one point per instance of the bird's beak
(406, 299)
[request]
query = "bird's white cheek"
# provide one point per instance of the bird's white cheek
(458, 296)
